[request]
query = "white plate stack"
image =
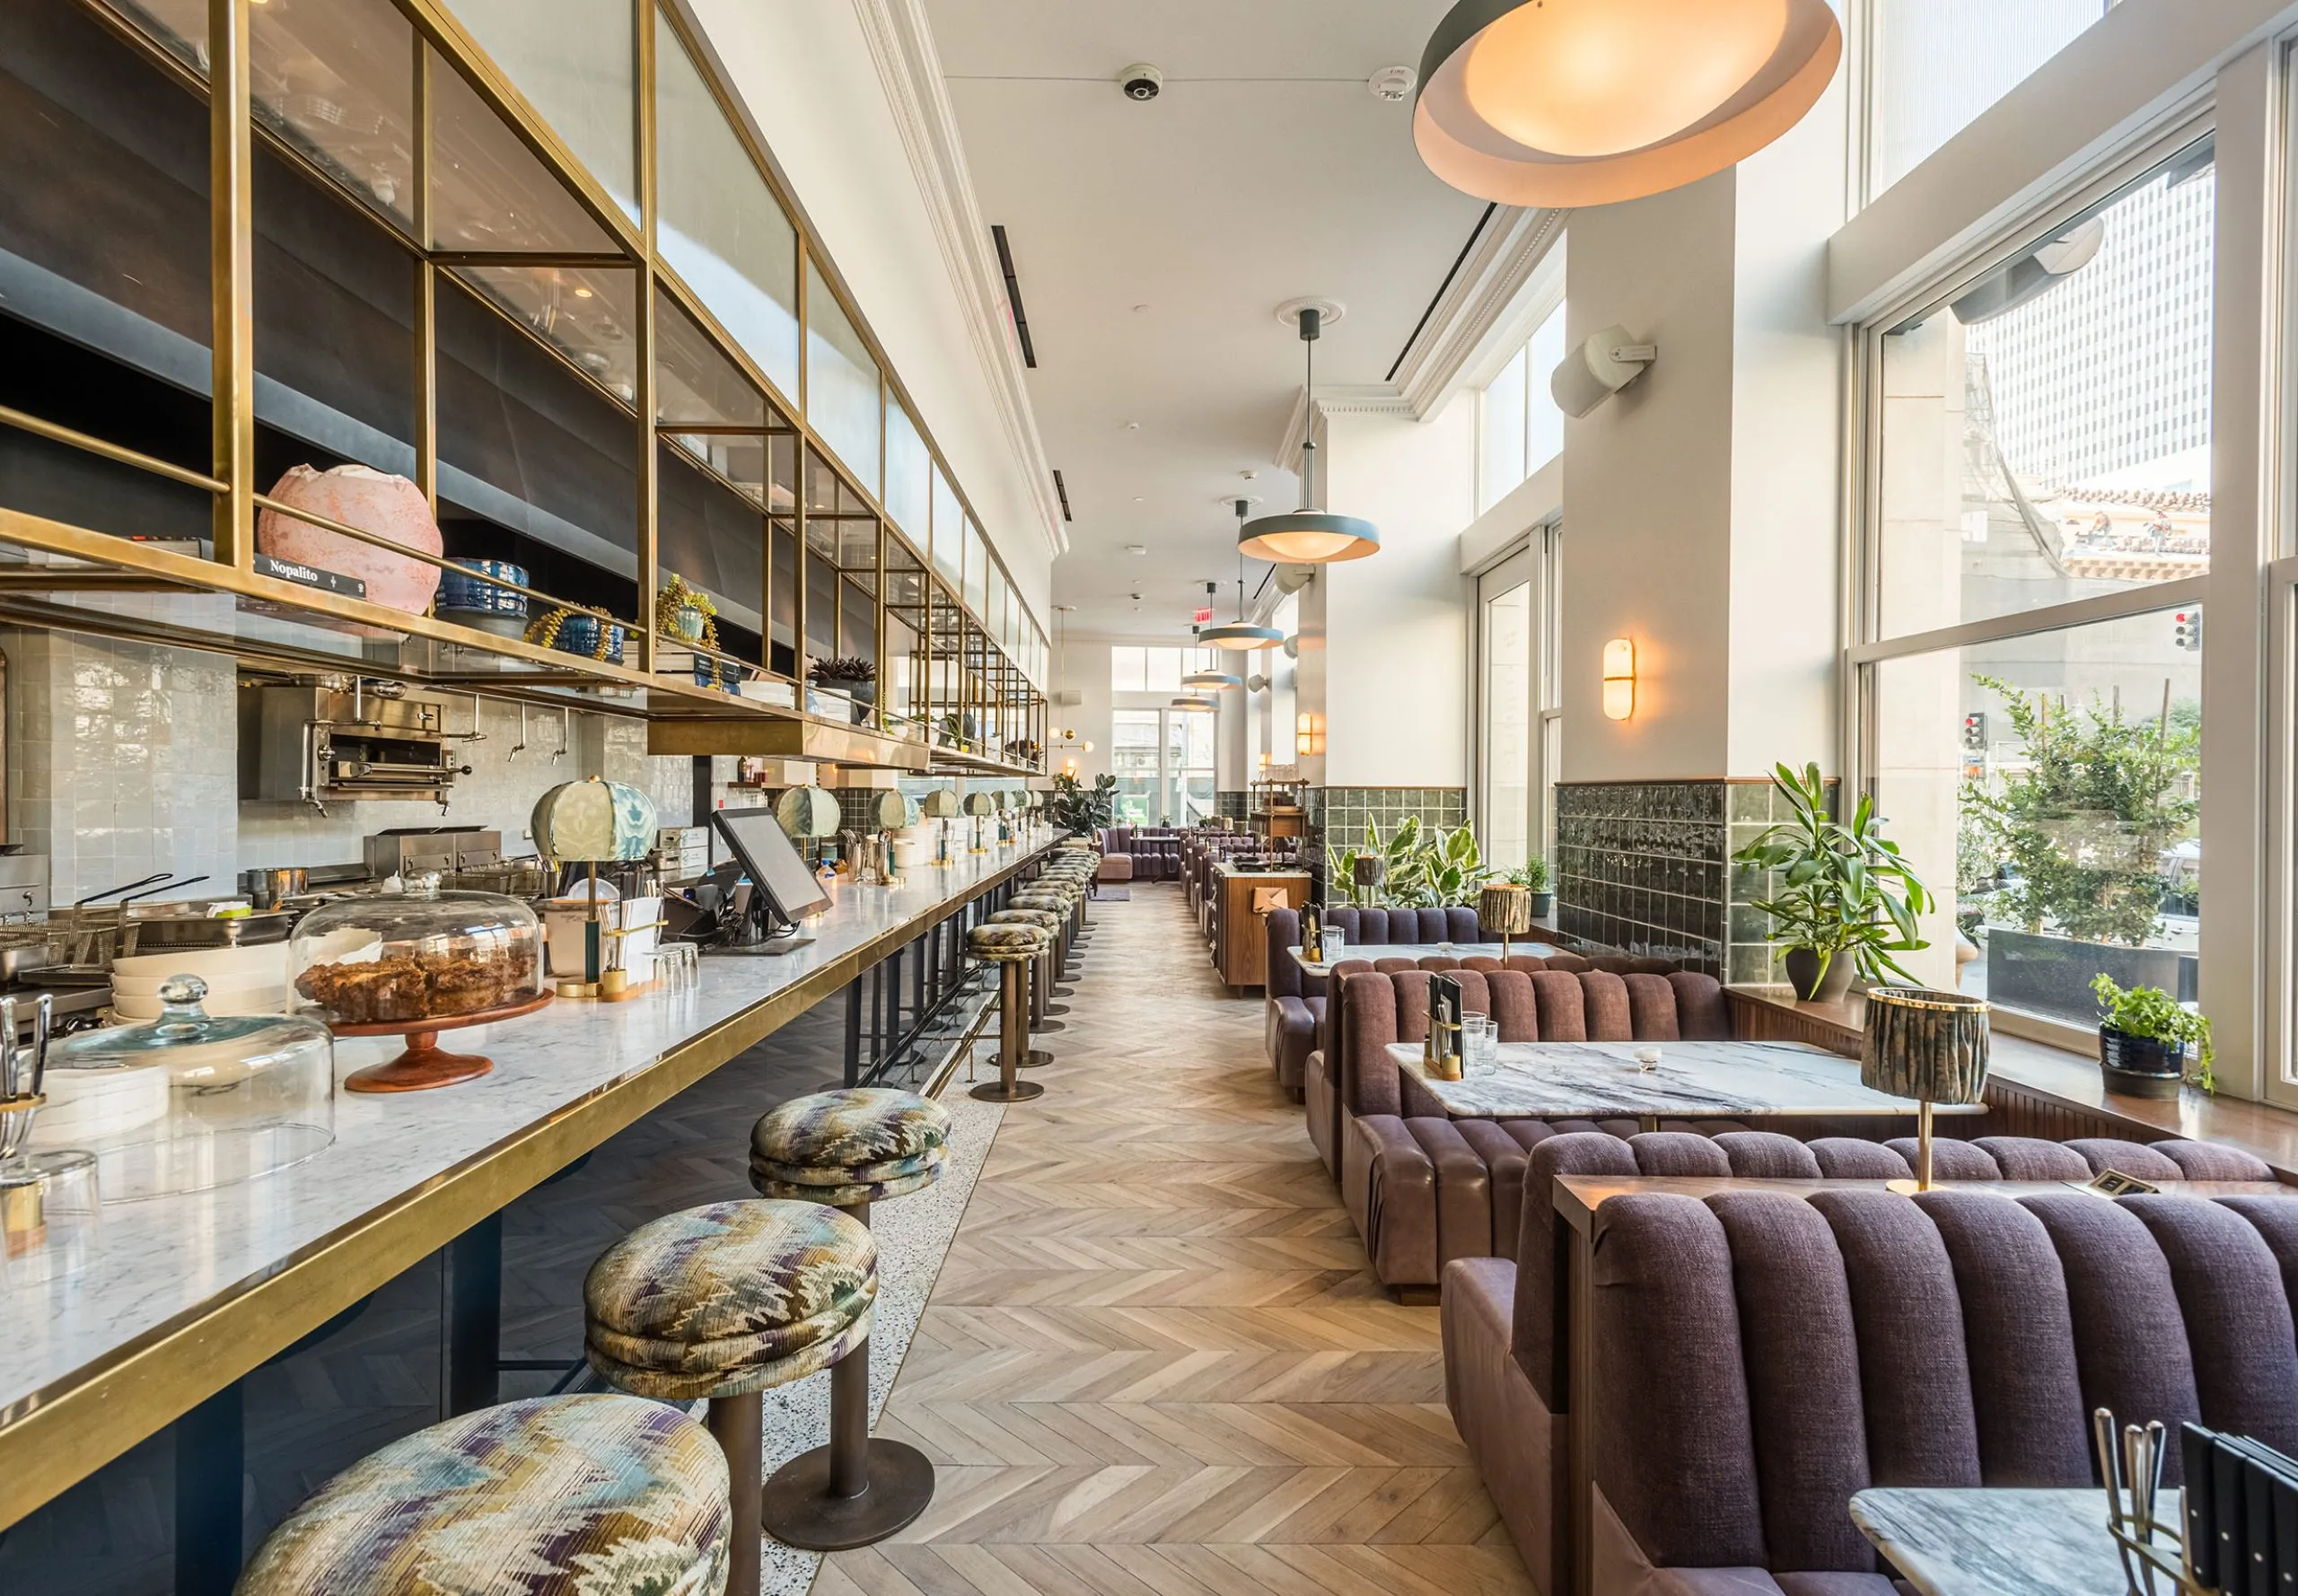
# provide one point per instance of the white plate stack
(239, 980)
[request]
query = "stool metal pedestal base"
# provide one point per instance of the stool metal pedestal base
(997, 1091)
(857, 1490)
(1047, 1025)
(800, 1512)
(1056, 1008)
(1036, 1058)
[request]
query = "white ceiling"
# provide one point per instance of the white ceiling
(1155, 241)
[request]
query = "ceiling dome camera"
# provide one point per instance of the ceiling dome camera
(1141, 80)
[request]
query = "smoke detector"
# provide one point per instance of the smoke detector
(1392, 83)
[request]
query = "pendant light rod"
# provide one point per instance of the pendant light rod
(1308, 535)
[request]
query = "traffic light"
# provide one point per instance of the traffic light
(1975, 733)
(2186, 630)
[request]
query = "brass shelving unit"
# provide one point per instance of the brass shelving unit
(494, 214)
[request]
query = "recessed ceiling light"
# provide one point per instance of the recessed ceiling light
(1138, 309)
(1137, 549)
(1132, 427)
(582, 293)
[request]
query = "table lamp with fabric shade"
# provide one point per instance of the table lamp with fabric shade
(1929, 1045)
(978, 804)
(1506, 909)
(590, 823)
(1368, 872)
(941, 805)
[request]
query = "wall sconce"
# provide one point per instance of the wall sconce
(1619, 680)
(1309, 734)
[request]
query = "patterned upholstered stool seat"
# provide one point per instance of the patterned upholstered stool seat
(1059, 903)
(860, 1145)
(1045, 920)
(729, 1299)
(999, 944)
(589, 1495)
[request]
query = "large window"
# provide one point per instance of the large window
(1519, 428)
(1520, 714)
(1157, 670)
(1940, 63)
(2040, 543)
(2048, 786)
(1163, 762)
(2045, 434)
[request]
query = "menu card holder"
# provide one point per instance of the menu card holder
(1442, 1051)
(1312, 934)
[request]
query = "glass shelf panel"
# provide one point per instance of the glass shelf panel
(581, 72)
(587, 314)
(842, 386)
(719, 226)
(488, 190)
(696, 383)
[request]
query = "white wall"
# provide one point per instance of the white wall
(805, 70)
(1702, 503)
(1392, 676)
(1647, 487)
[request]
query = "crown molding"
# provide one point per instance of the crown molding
(901, 44)
(1483, 304)
(1339, 399)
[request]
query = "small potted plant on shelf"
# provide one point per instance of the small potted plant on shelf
(1844, 900)
(855, 677)
(686, 613)
(1534, 877)
(2144, 1038)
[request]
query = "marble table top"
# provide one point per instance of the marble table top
(162, 1264)
(1419, 951)
(1581, 1079)
(1996, 1542)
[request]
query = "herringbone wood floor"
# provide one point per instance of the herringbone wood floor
(1155, 1363)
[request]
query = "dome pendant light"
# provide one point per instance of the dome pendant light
(1308, 536)
(1215, 680)
(1578, 103)
(1240, 634)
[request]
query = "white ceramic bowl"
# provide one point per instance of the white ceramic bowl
(264, 1000)
(206, 963)
(217, 985)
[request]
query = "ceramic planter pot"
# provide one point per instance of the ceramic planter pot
(2140, 1065)
(374, 502)
(1804, 974)
(1543, 905)
(686, 622)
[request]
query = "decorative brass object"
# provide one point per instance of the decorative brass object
(1929, 1045)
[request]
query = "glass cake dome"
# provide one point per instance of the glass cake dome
(401, 958)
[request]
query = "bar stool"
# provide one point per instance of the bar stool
(554, 1496)
(848, 1149)
(723, 1301)
(1057, 901)
(1040, 974)
(1013, 949)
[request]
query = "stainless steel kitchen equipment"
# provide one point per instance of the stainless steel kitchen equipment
(23, 888)
(321, 745)
(407, 851)
(266, 888)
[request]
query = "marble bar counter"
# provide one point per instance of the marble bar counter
(1997, 1542)
(180, 1296)
(1581, 1080)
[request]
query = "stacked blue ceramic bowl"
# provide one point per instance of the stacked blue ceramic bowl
(473, 601)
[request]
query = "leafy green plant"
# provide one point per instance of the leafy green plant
(1842, 888)
(2154, 1013)
(1422, 867)
(1532, 875)
(1080, 809)
(2085, 824)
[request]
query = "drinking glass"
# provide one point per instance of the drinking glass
(1333, 942)
(1477, 1041)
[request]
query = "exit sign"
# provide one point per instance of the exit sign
(1202, 615)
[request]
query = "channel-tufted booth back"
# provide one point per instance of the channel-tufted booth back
(1759, 1356)
(1522, 1188)
(1379, 927)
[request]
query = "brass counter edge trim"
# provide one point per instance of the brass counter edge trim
(101, 1410)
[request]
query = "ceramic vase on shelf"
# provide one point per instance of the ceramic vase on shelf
(374, 502)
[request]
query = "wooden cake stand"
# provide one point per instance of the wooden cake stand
(423, 1065)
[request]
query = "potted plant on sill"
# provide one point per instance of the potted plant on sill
(1844, 900)
(2144, 1036)
(1535, 878)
